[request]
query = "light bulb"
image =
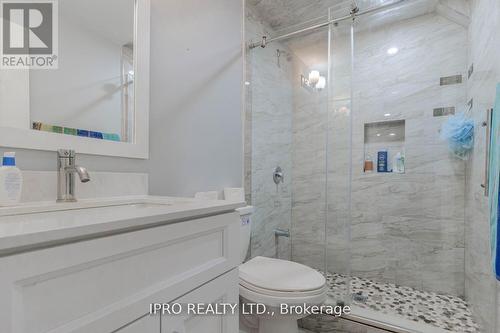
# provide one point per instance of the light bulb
(392, 51)
(313, 78)
(321, 83)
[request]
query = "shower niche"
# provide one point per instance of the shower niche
(384, 147)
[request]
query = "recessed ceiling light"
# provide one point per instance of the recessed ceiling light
(378, 134)
(392, 134)
(392, 51)
(387, 115)
(247, 83)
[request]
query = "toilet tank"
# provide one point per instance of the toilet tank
(245, 230)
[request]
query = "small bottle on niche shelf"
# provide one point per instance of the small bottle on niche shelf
(382, 161)
(368, 165)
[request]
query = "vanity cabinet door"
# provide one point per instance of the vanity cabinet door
(221, 290)
(102, 284)
(147, 324)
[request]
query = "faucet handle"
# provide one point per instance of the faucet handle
(66, 153)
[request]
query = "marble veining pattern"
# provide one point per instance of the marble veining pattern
(409, 229)
(484, 52)
(406, 229)
(42, 185)
(269, 111)
(285, 15)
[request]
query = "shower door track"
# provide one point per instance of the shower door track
(388, 322)
(354, 13)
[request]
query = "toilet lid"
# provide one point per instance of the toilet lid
(280, 275)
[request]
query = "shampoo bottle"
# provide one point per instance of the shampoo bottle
(11, 181)
(399, 163)
(382, 162)
(368, 166)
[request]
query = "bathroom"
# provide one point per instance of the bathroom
(264, 152)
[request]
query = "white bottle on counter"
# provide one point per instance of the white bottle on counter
(11, 181)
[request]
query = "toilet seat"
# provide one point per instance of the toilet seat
(273, 282)
(278, 293)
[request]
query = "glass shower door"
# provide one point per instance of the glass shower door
(339, 166)
(407, 192)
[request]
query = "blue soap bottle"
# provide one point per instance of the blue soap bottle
(382, 159)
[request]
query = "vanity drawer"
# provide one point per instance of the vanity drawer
(101, 284)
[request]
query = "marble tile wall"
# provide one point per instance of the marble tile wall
(320, 142)
(309, 166)
(484, 52)
(286, 124)
(42, 185)
(339, 154)
(409, 229)
(406, 229)
(268, 141)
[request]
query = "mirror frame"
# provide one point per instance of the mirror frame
(38, 140)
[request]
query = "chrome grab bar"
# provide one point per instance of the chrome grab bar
(487, 124)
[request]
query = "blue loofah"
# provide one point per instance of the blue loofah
(458, 130)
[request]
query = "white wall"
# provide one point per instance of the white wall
(85, 92)
(14, 101)
(195, 117)
(196, 93)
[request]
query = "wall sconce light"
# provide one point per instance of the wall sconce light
(321, 83)
(314, 78)
(313, 81)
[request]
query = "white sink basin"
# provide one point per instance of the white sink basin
(51, 206)
(29, 224)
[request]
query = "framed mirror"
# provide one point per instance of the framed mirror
(92, 92)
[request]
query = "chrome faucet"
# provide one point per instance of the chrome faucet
(66, 170)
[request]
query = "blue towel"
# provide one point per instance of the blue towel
(494, 176)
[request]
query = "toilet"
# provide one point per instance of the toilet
(273, 282)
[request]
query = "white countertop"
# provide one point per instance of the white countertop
(38, 224)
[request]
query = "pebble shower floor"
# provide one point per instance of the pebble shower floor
(444, 311)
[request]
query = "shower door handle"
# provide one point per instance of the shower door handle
(487, 124)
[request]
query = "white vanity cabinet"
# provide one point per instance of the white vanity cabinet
(106, 282)
(221, 290)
